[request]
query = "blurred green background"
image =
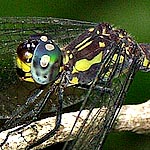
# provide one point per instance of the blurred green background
(132, 15)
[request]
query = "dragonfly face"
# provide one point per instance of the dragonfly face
(39, 60)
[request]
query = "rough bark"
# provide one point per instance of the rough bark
(135, 118)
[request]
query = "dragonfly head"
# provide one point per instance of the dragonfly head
(41, 58)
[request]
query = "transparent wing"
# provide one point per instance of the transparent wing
(107, 96)
(113, 75)
(13, 92)
(98, 122)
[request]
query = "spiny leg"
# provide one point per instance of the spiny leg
(60, 88)
(92, 86)
(32, 114)
(13, 121)
(57, 124)
(35, 112)
(15, 118)
(116, 95)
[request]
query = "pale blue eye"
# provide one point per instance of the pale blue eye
(46, 61)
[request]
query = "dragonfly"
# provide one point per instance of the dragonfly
(49, 64)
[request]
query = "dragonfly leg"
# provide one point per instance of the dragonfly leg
(57, 124)
(16, 116)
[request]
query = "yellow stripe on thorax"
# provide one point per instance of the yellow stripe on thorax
(146, 63)
(84, 41)
(84, 64)
(85, 45)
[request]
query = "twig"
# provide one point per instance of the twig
(135, 118)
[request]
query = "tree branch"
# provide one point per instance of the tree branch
(135, 118)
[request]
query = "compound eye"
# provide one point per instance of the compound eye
(25, 50)
(46, 55)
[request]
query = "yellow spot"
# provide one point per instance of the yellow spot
(91, 29)
(101, 44)
(24, 66)
(85, 45)
(28, 77)
(58, 80)
(44, 38)
(84, 41)
(145, 62)
(120, 35)
(65, 59)
(84, 64)
(120, 59)
(71, 56)
(97, 32)
(68, 52)
(129, 39)
(28, 74)
(74, 80)
(49, 47)
(123, 44)
(61, 69)
(104, 32)
(108, 74)
(127, 50)
(115, 57)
